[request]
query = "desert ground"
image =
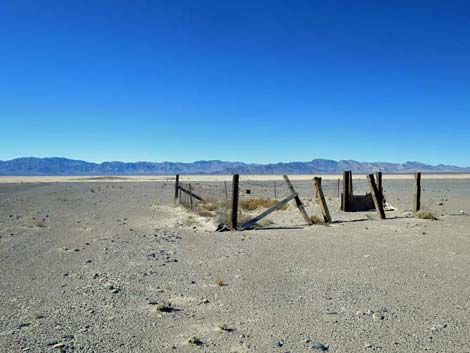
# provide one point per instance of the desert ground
(98, 264)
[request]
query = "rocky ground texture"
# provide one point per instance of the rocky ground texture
(116, 267)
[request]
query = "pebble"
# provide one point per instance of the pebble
(377, 316)
(278, 343)
(51, 342)
(320, 346)
(438, 327)
(108, 285)
(196, 341)
(164, 308)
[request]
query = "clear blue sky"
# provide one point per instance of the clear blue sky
(256, 81)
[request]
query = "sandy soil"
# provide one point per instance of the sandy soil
(88, 267)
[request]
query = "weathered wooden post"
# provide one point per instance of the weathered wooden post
(275, 191)
(235, 180)
(299, 203)
(346, 201)
(316, 189)
(177, 186)
(190, 197)
(378, 177)
(417, 193)
(375, 196)
(321, 200)
(351, 192)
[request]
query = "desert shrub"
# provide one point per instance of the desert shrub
(317, 220)
(253, 204)
(203, 212)
(220, 282)
(209, 206)
(422, 214)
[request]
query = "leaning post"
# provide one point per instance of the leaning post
(321, 200)
(378, 179)
(298, 202)
(375, 196)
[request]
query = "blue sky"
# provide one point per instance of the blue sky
(255, 81)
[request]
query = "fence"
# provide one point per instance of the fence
(225, 199)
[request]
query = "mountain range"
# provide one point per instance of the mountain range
(64, 166)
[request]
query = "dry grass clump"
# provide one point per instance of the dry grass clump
(422, 214)
(220, 283)
(210, 206)
(203, 212)
(253, 204)
(317, 220)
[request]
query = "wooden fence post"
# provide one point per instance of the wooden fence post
(417, 193)
(378, 177)
(226, 191)
(375, 196)
(346, 191)
(275, 191)
(235, 180)
(321, 200)
(299, 203)
(351, 192)
(177, 186)
(316, 189)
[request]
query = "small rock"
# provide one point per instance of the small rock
(196, 341)
(59, 345)
(370, 312)
(165, 308)
(51, 343)
(278, 343)
(108, 285)
(378, 316)
(320, 346)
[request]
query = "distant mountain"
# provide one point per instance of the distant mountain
(64, 166)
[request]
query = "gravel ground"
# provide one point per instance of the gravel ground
(116, 267)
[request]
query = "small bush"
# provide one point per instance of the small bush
(317, 220)
(204, 213)
(426, 215)
(253, 204)
(209, 206)
(220, 283)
